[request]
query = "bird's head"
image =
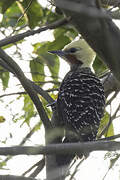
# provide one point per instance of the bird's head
(77, 53)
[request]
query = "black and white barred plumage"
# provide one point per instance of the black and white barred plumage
(81, 104)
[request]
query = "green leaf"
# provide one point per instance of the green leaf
(52, 63)
(61, 39)
(5, 4)
(70, 33)
(4, 76)
(2, 119)
(34, 12)
(47, 109)
(99, 66)
(11, 17)
(37, 70)
(28, 109)
(50, 16)
(41, 48)
(103, 124)
(38, 126)
(3, 162)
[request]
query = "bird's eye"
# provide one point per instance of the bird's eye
(72, 50)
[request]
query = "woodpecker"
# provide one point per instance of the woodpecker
(81, 99)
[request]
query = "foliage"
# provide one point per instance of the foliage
(4, 76)
(18, 17)
(104, 122)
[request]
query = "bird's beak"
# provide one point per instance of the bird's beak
(58, 52)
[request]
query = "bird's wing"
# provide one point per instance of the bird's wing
(80, 104)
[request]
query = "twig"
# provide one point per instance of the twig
(11, 177)
(105, 129)
(11, 94)
(76, 169)
(40, 165)
(49, 100)
(115, 113)
(21, 36)
(109, 138)
(25, 10)
(115, 14)
(111, 99)
(110, 2)
(112, 163)
(29, 134)
(110, 121)
(23, 141)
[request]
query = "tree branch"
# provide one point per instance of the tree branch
(11, 177)
(82, 9)
(71, 148)
(110, 138)
(21, 36)
(40, 165)
(110, 83)
(27, 86)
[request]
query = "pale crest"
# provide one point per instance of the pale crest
(84, 52)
